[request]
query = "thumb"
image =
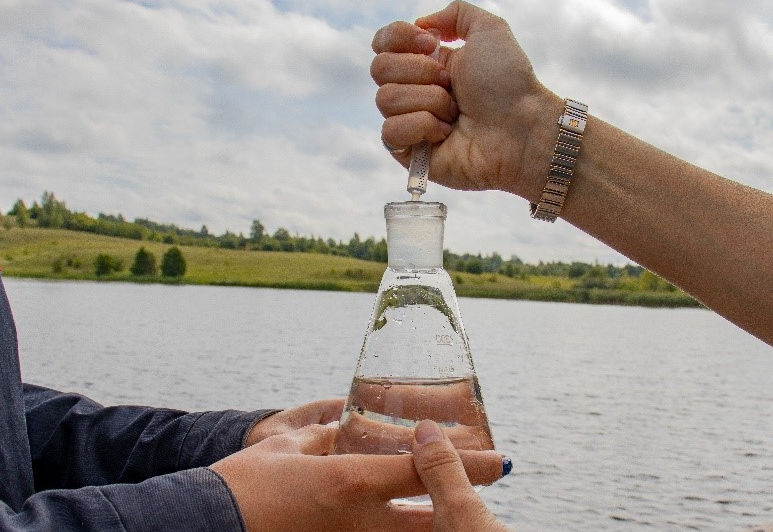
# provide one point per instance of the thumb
(438, 464)
(458, 21)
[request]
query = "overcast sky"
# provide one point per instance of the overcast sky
(219, 112)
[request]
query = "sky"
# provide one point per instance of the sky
(219, 112)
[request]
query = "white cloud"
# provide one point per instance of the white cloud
(220, 111)
(693, 80)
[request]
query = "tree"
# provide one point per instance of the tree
(54, 213)
(474, 265)
(35, 210)
(229, 240)
(578, 269)
(21, 212)
(257, 230)
(173, 263)
(144, 263)
(284, 239)
(595, 277)
(380, 251)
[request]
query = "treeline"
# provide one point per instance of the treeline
(52, 212)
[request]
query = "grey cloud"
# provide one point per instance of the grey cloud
(360, 163)
(41, 139)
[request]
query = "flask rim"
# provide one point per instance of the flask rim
(415, 209)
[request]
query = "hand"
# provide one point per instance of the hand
(466, 423)
(287, 483)
(362, 435)
(457, 507)
(319, 412)
(481, 104)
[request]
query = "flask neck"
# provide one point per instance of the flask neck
(415, 235)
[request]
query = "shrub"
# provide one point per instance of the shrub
(144, 263)
(75, 262)
(105, 264)
(173, 263)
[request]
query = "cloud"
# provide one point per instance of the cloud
(217, 112)
(695, 82)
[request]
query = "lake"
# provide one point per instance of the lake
(616, 418)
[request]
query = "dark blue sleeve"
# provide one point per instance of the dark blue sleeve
(196, 500)
(76, 442)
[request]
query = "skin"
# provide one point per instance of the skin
(457, 506)
(493, 126)
(316, 413)
(287, 481)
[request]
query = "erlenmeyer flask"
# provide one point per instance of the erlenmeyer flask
(415, 361)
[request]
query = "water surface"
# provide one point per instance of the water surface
(616, 418)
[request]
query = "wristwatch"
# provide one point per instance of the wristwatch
(571, 129)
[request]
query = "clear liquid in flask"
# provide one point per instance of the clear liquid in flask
(380, 414)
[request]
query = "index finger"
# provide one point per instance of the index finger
(404, 37)
(390, 477)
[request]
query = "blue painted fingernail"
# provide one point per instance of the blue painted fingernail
(507, 466)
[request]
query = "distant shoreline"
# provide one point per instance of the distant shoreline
(57, 254)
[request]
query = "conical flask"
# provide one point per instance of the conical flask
(415, 361)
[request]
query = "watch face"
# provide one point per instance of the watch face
(572, 123)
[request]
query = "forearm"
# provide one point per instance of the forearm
(710, 236)
(76, 442)
(192, 501)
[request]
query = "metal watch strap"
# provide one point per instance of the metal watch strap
(571, 128)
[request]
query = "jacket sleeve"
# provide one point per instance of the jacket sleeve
(75, 442)
(196, 500)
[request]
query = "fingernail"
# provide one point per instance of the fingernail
(446, 128)
(507, 466)
(427, 431)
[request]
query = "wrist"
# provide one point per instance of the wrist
(259, 429)
(540, 139)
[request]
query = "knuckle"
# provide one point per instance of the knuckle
(388, 99)
(440, 94)
(464, 507)
(347, 483)
(429, 68)
(378, 39)
(438, 460)
(379, 68)
(393, 127)
(388, 128)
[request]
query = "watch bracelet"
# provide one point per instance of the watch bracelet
(571, 124)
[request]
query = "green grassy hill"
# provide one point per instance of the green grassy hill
(63, 254)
